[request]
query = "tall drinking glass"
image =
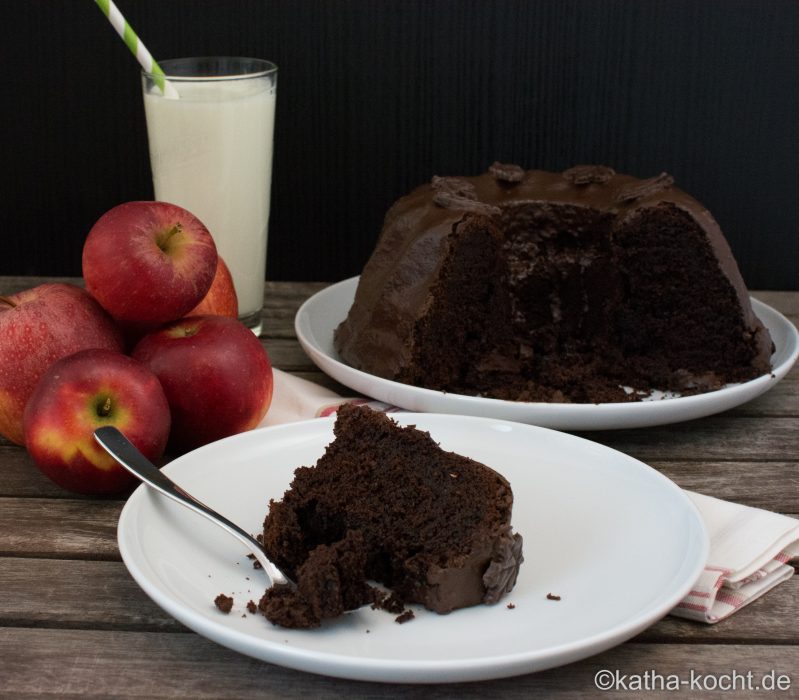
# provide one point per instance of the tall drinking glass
(211, 153)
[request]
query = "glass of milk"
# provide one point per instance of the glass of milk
(211, 153)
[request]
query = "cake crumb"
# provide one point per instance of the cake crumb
(406, 616)
(511, 606)
(552, 596)
(255, 563)
(252, 607)
(224, 603)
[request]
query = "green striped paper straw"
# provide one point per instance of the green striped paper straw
(137, 48)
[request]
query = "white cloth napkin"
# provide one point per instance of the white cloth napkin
(749, 553)
(295, 399)
(749, 548)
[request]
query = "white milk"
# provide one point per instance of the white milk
(211, 153)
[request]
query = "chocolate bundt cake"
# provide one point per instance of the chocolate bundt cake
(581, 286)
(385, 503)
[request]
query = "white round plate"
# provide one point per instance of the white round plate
(319, 316)
(616, 540)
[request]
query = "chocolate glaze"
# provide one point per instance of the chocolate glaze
(500, 576)
(420, 230)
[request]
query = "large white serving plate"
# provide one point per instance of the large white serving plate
(319, 316)
(619, 542)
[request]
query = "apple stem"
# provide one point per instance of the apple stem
(105, 409)
(7, 300)
(162, 241)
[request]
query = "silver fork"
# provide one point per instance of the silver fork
(124, 452)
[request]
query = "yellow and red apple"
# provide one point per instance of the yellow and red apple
(148, 263)
(81, 393)
(221, 299)
(37, 327)
(216, 376)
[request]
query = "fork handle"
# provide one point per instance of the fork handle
(124, 452)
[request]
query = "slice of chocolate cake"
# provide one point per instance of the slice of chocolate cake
(385, 503)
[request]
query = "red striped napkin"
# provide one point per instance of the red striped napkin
(749, 548)
(749, 553)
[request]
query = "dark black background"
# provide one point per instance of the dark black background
(374, 97)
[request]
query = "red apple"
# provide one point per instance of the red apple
(37, 327)
(221, 299)
(148, 263)
(81, 393)
(216, 376)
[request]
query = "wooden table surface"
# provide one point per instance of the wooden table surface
(73, 623)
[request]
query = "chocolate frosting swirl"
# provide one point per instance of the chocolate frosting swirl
(588, 174)
(506, 172)
(644, 188)
(500, 576)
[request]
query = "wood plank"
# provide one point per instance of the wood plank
(785, 302)
(292, 294)
(45, 527)
(281, 302)
(782, 400)
(52, 593)
(769, 619)
(770, 485)
(88, 664)
(773, 485)
(322, 379)
(722, 438)
(20, 477)
(286, 354)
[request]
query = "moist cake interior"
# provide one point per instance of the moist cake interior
(563, 304)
